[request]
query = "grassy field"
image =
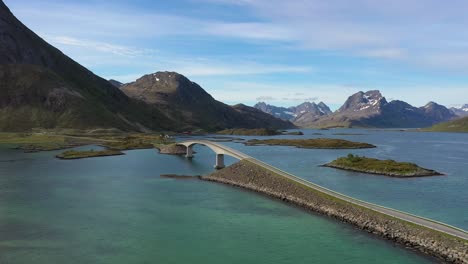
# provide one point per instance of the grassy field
(383, 167)
(457, 125)
(316, 143)
(33, 142)
(73, 154)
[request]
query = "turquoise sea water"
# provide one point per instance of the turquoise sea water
(118, 209)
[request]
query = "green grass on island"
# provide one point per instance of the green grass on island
(257, 132)
(382, 167)
(457, 125)
(316, 143)
(74, 154)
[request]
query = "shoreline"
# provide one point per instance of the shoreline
(250, 176)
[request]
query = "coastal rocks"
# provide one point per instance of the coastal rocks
(172, 149)
(253, 177)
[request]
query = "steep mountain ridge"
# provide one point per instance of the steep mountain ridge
(42, 87)
(178, 97)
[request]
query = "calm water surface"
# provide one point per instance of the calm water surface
(443, 198)
(118, 209)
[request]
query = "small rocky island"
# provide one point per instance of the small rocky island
(313, 143)
(382, 167)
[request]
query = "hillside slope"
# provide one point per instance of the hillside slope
(42, 87)
(457, 125)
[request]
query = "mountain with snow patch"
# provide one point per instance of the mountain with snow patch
(371, 109)
(300, 112)
(460, 111)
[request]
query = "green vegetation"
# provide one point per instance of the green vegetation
(113, 142)
(317, 143)
(34, 142)
(130, 142)
(73, 154)
(383, 167)
(249, 132)
(141, 141)
(457, 125)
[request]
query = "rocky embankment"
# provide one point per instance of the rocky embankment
(253, 177)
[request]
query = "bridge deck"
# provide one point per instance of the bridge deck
(431, 224)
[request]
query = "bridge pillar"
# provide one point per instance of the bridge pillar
(219, 161)
(189, 153)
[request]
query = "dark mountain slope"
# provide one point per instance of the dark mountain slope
(42, 87)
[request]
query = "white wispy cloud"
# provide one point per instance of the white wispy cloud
(423, 32)
(101, 46)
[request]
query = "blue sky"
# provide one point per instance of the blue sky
(282, 52)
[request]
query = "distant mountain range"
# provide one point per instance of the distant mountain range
(294, 113)
(371, 109)
(42, 87)
(460, 111)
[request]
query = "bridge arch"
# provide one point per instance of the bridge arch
(218, 149)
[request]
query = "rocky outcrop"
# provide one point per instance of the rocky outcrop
(253, 177)
(172, 149)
